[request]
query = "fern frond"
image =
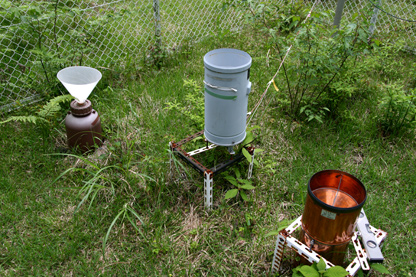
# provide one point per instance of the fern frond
(25, 118)
(52, 107)
(49, 110)
(61, 99)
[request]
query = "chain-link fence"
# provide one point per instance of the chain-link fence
(37, 38)
(390, 19)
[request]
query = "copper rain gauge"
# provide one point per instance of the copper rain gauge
(332, 207)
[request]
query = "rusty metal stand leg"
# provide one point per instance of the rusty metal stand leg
(361, 255)
(208, 182)
(278, 253)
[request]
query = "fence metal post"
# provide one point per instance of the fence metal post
(374, 19)
(338, 12)
(156, 13)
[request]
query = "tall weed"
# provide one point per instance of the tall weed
(193, 109)
(397, 111)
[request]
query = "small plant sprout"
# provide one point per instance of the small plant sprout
(281, 225)
(247, 142)
(241, 186)
(126, 212)
(319, 270)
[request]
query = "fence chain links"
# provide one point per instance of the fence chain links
(37, 38)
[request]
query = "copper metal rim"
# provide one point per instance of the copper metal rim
(335, 180)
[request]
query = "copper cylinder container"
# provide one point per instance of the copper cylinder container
(333, 204)
(83, 127)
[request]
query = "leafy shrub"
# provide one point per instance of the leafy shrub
(319, 57)
(317, 66)
(397, 111)
(386, 62)
(284, 17)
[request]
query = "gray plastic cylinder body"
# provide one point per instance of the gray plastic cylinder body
(227, 87)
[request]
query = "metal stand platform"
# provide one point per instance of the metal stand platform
(208, 173)
(285, 238)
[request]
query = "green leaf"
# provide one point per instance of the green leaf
(111, 227)
(247, 186)
(131, 210)
(231, 193)
(245, 182)
(302, 109)
(272, 233)
(296, 273)
(232, 180)
(336, 271)
(309, 271)
(321, 265)
(380, 268)
(22, 118)
(237, 174)
(314, 266)
(258, 150)
(247, 155)
(249, 138)
(253, 128)
(248, 219)
(244, 195)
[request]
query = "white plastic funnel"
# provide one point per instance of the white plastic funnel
(79, 81)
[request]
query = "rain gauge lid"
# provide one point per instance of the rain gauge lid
(79, 81)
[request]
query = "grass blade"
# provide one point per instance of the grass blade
(110, 228)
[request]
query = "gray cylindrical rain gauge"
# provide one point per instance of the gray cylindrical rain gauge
(227, 86)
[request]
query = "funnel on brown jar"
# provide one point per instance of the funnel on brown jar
(83, 124)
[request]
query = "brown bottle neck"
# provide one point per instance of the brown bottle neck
(81, 109)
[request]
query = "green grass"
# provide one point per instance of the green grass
(43, 233)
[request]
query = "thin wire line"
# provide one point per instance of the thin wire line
(254, 110)
(336, 195)
(392, 15)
